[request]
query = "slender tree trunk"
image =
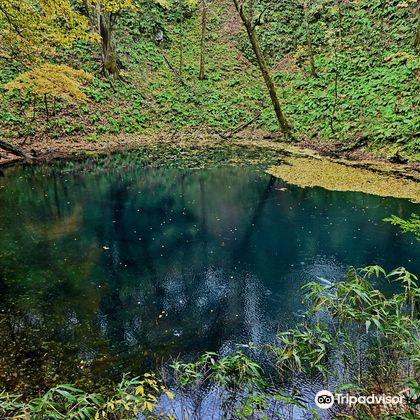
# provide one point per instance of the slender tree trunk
(202, 75)
(178, 77)
(250, 28)
(309, 39)
(336, 76)
(47, 112)
(340, 22)
(181, 50)
(109, 56)
(417, 38)
(34, 98)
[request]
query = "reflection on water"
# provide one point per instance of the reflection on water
(107, 273)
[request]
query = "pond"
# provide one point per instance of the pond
(106, 272)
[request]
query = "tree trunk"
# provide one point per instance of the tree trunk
(109, 56)
(181, 50)
(309, 39)
(417, 38)
(17, 151)
(178, 77)
(202, 75)
(250, 28)
(47, 113)
(87, 10)
(34, 105)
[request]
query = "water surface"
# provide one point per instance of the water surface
(109, 272)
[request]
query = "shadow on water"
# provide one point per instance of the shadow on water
(107, 273)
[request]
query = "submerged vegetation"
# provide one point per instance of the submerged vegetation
(357, 333)
(359, 340)
(293, 165)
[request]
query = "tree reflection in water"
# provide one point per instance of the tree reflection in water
(105, 273)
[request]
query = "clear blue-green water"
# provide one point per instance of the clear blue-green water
(103, 273)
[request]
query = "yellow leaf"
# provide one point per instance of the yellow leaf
(41, 27)
(140, 390)
(57, 81)
(169, 394)
(147, 406)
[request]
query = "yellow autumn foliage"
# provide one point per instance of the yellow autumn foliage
(32, 30)
(167, 4)
(113, 5)
(57, 81)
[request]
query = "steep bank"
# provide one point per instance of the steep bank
(363, 99)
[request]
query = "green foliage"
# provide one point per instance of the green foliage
(342, 315)
(411, 225)
(131, 397)
(292, 351)
(366, 67)
(242, 390)
(234, 371)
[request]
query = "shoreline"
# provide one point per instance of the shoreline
(359, 171)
